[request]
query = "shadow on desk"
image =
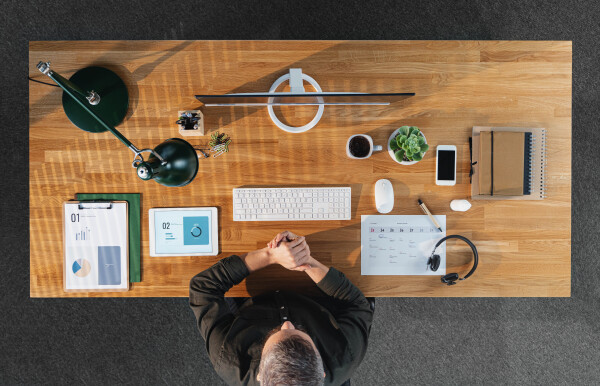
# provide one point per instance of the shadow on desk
(333, 78)
(130, 78)
(326, 247)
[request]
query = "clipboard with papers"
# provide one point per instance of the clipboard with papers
(96, 252)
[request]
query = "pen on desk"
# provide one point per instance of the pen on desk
(427, 212)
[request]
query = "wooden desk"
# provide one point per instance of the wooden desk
(525, 246)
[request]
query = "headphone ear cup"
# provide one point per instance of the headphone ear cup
(434, 262)
(450, 279)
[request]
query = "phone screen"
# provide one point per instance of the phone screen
(446, 163)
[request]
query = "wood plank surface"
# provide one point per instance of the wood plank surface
(525, 246)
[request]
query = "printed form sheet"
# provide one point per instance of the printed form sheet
(400, 245)
(96, 249)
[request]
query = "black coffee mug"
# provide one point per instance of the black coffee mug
(360, 146)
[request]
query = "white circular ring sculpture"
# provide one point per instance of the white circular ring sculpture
(295, 129)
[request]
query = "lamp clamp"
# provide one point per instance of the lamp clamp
(44, 67)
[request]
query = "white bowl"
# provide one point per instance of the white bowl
(391, 152)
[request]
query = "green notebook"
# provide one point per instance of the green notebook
(135, 232)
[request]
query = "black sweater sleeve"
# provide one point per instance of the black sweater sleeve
(353, 315)
(207, 300)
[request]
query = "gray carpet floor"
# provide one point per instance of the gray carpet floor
(413, 341)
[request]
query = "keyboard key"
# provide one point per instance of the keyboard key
(272, 216)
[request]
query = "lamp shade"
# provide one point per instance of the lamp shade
(180, 164)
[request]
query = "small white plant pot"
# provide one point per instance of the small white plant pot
(391, 152)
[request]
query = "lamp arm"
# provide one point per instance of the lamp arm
(76, 93)
(63, 82)
(138, 153)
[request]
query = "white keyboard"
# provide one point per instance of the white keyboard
(291, 204)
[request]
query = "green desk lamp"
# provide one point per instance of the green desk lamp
(172, 163)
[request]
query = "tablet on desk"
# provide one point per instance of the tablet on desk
(184, 232)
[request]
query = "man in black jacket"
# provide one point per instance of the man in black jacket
(281, 338)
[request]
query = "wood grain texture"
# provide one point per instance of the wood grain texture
(525, 246)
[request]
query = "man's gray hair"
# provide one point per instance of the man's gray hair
(292, 361)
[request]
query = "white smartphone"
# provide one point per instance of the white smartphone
(445, 165)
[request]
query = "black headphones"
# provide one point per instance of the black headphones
(452, 278)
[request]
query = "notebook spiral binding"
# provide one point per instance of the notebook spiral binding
(542, 164)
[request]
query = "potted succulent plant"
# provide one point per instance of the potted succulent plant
(407, 145)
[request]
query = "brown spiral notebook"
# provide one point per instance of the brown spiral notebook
(508, 164)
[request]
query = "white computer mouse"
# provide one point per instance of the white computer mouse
(384, 196)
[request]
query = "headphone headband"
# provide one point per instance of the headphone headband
(451, 278)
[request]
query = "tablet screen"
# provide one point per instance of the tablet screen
(183, 231)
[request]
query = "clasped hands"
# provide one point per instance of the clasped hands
(290, 251)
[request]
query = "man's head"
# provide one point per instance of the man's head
(289, 357)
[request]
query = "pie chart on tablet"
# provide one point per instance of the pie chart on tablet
(81, 267)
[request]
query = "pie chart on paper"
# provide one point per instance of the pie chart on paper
(81, 267)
